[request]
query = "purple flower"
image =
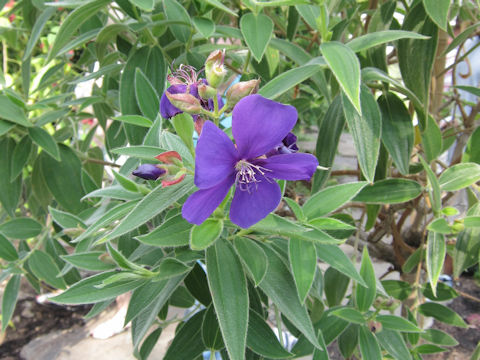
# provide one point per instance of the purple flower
(258, 126)
(287, 146)
(148, 172)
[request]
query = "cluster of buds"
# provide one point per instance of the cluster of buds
(171, 170)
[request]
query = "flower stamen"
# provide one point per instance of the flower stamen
(246, 174)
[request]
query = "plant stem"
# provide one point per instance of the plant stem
(212, 355)
(247, 61)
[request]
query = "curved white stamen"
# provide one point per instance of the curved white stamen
(246, 174)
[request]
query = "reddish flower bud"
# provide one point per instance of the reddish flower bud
(239, 90)
(185, 102)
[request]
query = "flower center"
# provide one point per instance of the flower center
(246, 174)
(185, 74)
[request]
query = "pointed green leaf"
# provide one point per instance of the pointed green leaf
(257, 31)
(9, 299)
(303, 262)
(345, 66)
(350, 314)
(393, 322)
(176, 12)
(20, 157)
(335, 257)
(438, 11)
(43, 139)
(262, 340)
(394, 343)
(438, 337)
(389, 191)
(21, 228)
(187, 343)
(442, 313)
(184, 126)
(147, 97)
(459, 176)
(367, 41)
(45, 269)
(228, 286)
(146, 5)
(365, 130)
(397, 130)
(204, 235)
(256, 265)
(335, 286)
(436, 252)
(7, 250)
(369, 347)
(205, 26)
(12, 112)
(173, 232)
(88, 261)
(211, 335)
(365, 296)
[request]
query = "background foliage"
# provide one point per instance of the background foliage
(376, 69)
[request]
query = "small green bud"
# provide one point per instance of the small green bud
(206, 92)
(214, 69)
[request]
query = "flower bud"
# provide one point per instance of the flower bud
(185, 102)
(206, 92)
(214, 69)
(149, 172)
(239, 90)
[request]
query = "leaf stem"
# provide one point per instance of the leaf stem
(278, 320)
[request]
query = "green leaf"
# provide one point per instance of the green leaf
(328, 223)
(432, 140)
(187, 343)
(45, 269)
(88, 261)
(65, 220)
(438, 337)
(139, 151)
(467, 246)
(436, 252)
(328, 138)
(461, 38)
(204, 26)
(303, 262)
(204, 235)
(125, 182)
(397, 289)
(331, 198)
(280, 287)
(336, 258)
(228, 286)
(150, 343)
(7, 250)
(256, 265)
(37, 31)
(113, 192)
(43, 139)
(262, 340)
(394, 343)
(345, 66)
(21, 228)
(11, 190)
(66, 193)
(335, 286)
(397, 130)
(370, 40)
(459, 176)
(20, 157)
(442, 313)
(196, 283)
(150, 294)
(173, 232)
(416, 57)
(218, 4)
(429, 349)
(365, 130)
(5, 126)
(287, 80)
(350, 314)
(147, 97)
(12, 112)
(171, 267)
(365, 296)
(184, 126)
(369, 347)
(472, 153)
(397, 323)
(87, 291)
(413, 260)
(9, 300)
(444, 292)
(440, 226)
(211, 336)
(176, 12)
(257, 31)
(134, 120)
(348, 340)
(146, 5)
(389, 191)
(438, 11)
(151, 205)
(72, 23)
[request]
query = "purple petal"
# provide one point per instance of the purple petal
(215, 157)
(296, 166)
(260, 124)
(148, 172)
(249, 207)
(202, 203)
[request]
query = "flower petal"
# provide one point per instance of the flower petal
(202, 203)
(296, 166)
(249, 207)
(260, 124)
(215, 157)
